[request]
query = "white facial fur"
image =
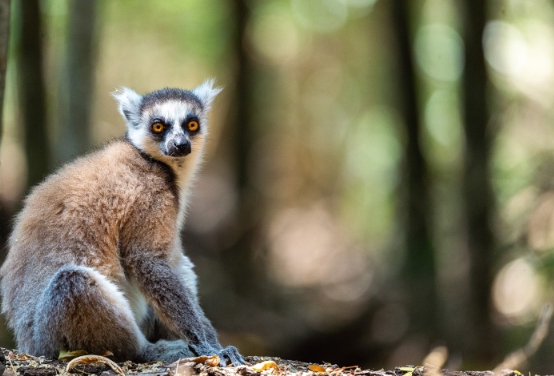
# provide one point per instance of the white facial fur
(206, 92)
(129, 102)
(175, 112)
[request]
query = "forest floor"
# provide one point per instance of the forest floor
(26, 365)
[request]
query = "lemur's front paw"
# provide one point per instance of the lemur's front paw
(231, 353)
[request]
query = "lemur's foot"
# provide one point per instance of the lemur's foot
(166, 351)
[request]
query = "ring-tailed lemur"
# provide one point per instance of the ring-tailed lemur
(95, 259)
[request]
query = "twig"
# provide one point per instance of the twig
(87, 359)
(11, 365)
(520, 356)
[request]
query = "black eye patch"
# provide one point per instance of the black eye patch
(191, 124)
(158, 127)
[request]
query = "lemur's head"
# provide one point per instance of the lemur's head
(167, 124)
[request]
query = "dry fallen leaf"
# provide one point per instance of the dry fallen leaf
(265, 365)
(23, 357)
(203, 359)
(408, 371)
(66, 356)
(88, 359)
(316, 368)
(199, 359)
(213, 361)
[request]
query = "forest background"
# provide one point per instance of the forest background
(380, 175)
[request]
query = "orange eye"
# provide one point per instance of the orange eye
(157, 127)
(192, 125)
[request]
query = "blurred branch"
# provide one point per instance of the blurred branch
(32, 92)
(477, 186)
(518, 358)
(4, 41)
(77, 80)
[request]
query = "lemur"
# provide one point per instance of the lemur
(95, 260)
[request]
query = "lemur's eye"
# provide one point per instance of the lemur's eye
(192, 125)
(157, 127)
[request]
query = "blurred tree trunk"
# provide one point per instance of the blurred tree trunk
(32, 93)
(477, 187)
(4, 41)
(418, 272)
(4, 213)
(77, 81)
(242, 123)
(240, 256)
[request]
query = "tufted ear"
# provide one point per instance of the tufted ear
(128, 104)
(207, 92)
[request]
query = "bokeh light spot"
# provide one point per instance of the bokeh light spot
(440, 52)
(320, 15)
(505, 47)
(516, 290)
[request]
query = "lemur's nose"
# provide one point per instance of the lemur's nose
(182, 146)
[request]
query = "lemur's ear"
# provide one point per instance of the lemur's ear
(129, 104)
(207, 92)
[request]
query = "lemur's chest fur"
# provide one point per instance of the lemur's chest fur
(167, 183)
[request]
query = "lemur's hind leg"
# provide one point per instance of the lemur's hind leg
(82, 310)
